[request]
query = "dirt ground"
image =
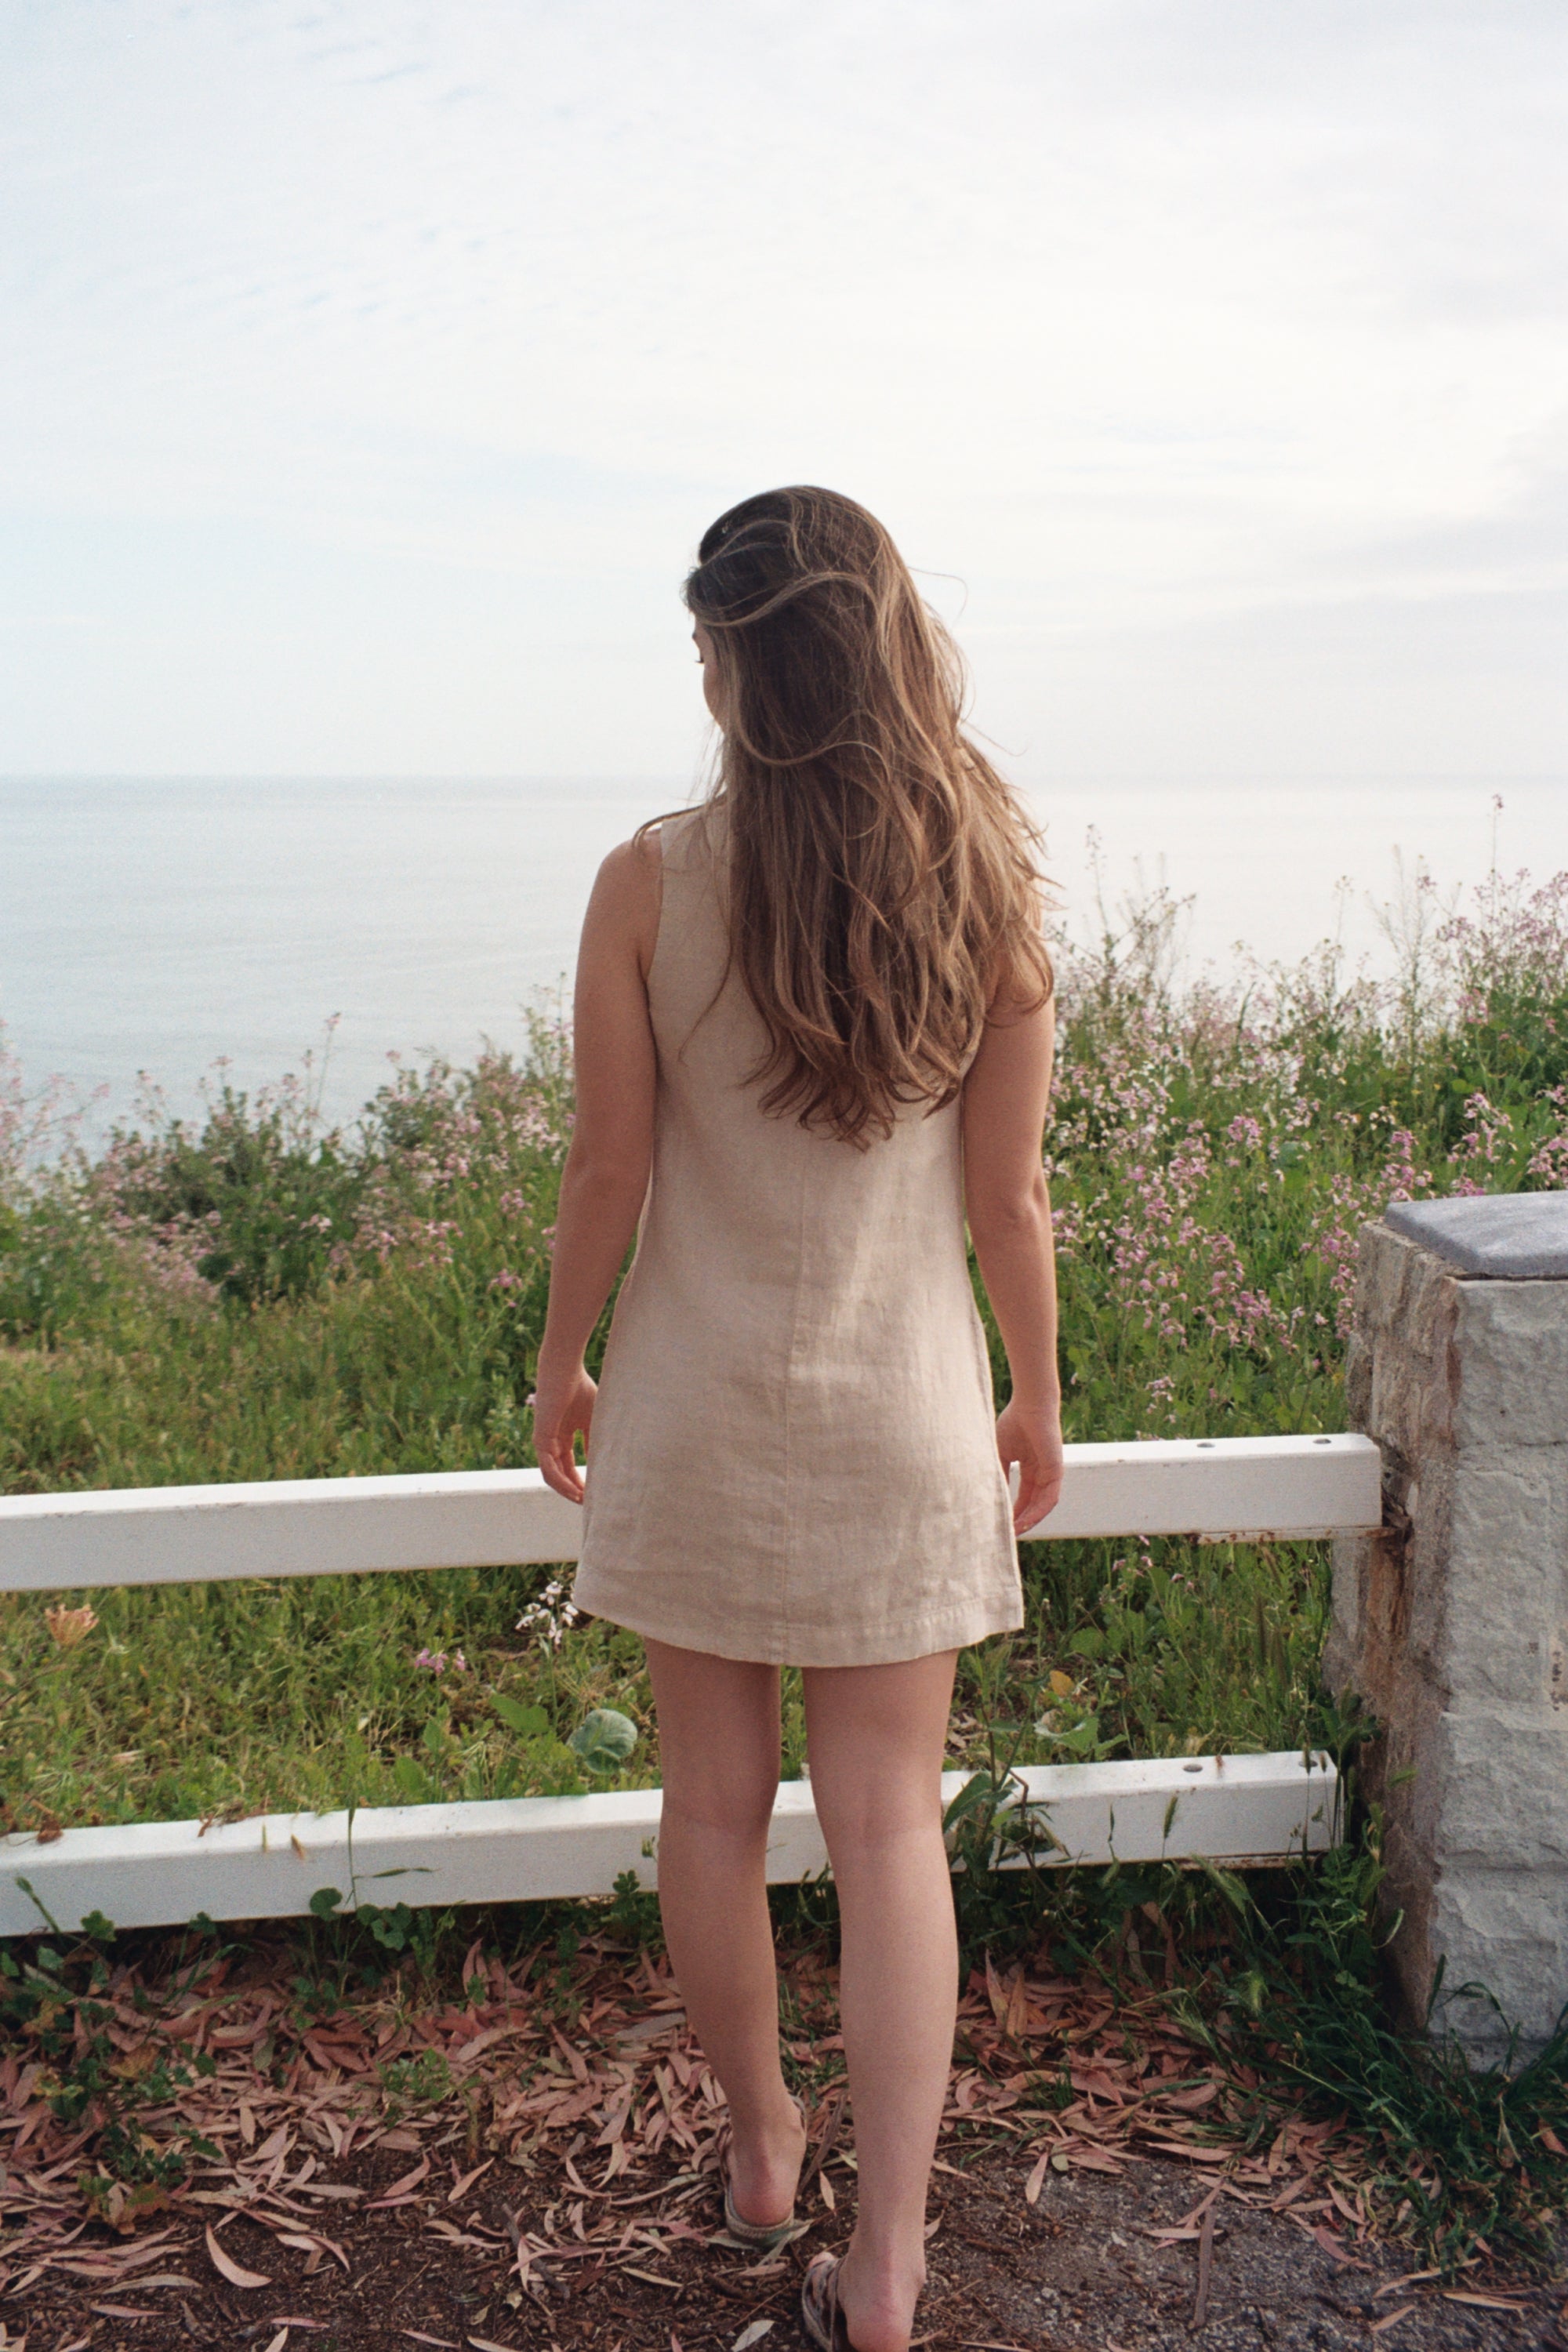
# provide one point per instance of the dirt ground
(1126, 2264)
(536, 2171)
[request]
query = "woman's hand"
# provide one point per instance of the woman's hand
(1031, 1436)
(562, 1407)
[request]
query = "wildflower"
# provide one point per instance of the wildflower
(552, 1616)
(70, 1626)
(431, 1662)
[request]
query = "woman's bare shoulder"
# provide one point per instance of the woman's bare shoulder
(627, 894)
(633, 863)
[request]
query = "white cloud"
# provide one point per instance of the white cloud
(383, 362)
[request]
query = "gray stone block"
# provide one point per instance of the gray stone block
(1511, 1340)
(1451, 1622)
(1428, 1306)
(1503, 1602)
(1499, 1777)
(1506, 1237)
(1383, 1259)
(1507, 1930)
(1345, 1602)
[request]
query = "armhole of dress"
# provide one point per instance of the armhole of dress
(659, 833)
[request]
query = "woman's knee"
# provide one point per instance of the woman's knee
(734, 1804)
(868, 1815)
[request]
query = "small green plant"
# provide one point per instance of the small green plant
(527, 1722)
(633, 1913)
(56, 2002)
(422, 2079)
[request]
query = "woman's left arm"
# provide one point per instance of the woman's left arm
(605, 1181)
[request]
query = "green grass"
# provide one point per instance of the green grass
(254, 1296)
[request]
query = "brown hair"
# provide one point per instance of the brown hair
(882, 874)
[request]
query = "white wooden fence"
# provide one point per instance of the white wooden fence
(1241, 1809)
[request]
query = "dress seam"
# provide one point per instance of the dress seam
(786, 1597)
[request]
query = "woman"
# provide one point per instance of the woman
(814, 1035)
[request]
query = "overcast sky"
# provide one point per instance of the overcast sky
(369, 370)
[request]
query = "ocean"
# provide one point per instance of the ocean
(169, 926)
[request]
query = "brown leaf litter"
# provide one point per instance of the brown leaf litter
(535, 2163)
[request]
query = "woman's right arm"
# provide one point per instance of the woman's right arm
(605, 1181)
(1006, 1097)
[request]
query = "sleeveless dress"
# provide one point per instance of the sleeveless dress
(792, 1457)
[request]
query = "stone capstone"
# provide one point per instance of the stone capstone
(1507, 1237)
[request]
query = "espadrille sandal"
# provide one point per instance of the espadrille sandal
(759, 2237)
(819, 2311)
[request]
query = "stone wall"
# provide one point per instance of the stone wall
(1452, 1623)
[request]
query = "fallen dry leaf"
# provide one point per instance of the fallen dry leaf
(140, 2286)
(1411, 2278)
(226, 2267)
(310, 2243)
(456, 2194)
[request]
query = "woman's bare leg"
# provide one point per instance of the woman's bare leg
(877, 1735)
(719, 1738)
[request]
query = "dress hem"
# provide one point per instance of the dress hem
(951, 1630)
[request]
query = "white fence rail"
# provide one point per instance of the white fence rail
(501, 1518)
(1238, 1809)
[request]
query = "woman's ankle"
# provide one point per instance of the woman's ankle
(764, 2164)
(879, 2291)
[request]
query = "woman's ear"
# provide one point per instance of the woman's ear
(713, 689)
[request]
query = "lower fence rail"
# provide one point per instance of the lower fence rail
(1232, 1809)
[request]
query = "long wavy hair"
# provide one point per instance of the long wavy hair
(882, 876)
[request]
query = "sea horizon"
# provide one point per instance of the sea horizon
(225, 928)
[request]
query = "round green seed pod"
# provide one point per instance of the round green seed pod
(603, 1739)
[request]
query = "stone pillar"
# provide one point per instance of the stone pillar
(1452, 1623)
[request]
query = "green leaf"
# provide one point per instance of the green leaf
(413, 1781)
(977, 1791)
(325, 1901)
(527, 1722)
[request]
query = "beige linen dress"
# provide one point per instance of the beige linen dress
(792, 1457)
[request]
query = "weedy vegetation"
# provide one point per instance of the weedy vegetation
(256, 1294)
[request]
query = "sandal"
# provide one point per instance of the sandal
(758, 2237)
(820, 2314)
